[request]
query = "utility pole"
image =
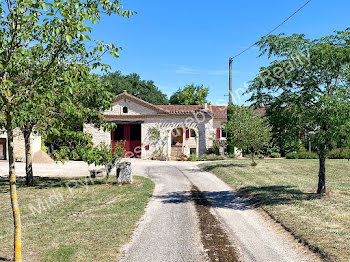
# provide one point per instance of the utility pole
(230, 80)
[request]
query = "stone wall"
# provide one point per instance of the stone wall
(98, 135)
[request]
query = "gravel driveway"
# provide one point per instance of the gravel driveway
(169, 231)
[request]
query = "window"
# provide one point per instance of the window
(193, 133)
(125, 110)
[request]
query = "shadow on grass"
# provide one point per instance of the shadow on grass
(5, 259)
(212, 167)
(253, 197)
(275, 195)
(50, 182)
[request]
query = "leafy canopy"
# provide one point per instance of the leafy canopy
(247, 130)
(307, 89)
(190, 95)
(132, 83)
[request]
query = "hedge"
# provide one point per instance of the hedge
(339, 153)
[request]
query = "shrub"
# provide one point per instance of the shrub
(307, 155)
(292, 155)
(339, 153)
(260, 156)
(254, 164)
(231, 156)
(192, 158)
(211, 157)
(275, 155)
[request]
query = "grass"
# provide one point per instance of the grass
(87, 221)
(285, 189)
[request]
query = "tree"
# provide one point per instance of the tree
(39, 40)
(59, 117)
(307, 88)
(190, 95)
(106, 155)
(247, 130)
(132, 83)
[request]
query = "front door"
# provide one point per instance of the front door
(2, 148)
(131, 135)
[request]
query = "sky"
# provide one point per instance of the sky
(180, 42)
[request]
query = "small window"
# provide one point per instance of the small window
(193, 133)
(125, 110)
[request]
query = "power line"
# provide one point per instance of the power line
(273, 30)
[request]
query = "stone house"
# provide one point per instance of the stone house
(182, 130)
(18, 142)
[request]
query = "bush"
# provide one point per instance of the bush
(275, 155)
(292, 155)
(339, 153)
(254, 164)
(307, 155)
(260, 156)
(231, 156)
(192, 158)
(211, 157)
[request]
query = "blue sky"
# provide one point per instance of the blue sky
(180, 42)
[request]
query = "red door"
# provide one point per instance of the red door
(2, 148)
(131, 135)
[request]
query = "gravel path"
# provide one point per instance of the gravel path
(169, 231)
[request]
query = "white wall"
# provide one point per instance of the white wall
(19, 145)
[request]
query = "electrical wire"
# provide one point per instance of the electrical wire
(273, 30)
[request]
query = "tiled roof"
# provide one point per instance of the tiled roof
(217, 111)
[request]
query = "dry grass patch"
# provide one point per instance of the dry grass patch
(285, 189)
(89, 221)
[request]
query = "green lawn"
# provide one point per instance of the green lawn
(285, 189)
(61, 233)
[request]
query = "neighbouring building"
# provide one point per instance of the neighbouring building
(18, 142)
(183, 129)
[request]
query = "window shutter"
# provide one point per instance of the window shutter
(187, 133)
(218, 132)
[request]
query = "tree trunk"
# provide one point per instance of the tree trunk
(13, 192)
(321, 189)
(252, 156)
(29, 160)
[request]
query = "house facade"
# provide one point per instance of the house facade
(168, 130)
(19, 147)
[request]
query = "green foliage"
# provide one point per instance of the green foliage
(46, 62)
(215, 149)
(306, 90)
(260, 156)
(132, 83)
(292, 155)
(105, 155)
(254, 164)
(190, 95)
(157, 142)
(275, 155)
(339, 153)
(210, 157)
(247, 130)
(307, 155)
(231, 156)
(192, 158)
